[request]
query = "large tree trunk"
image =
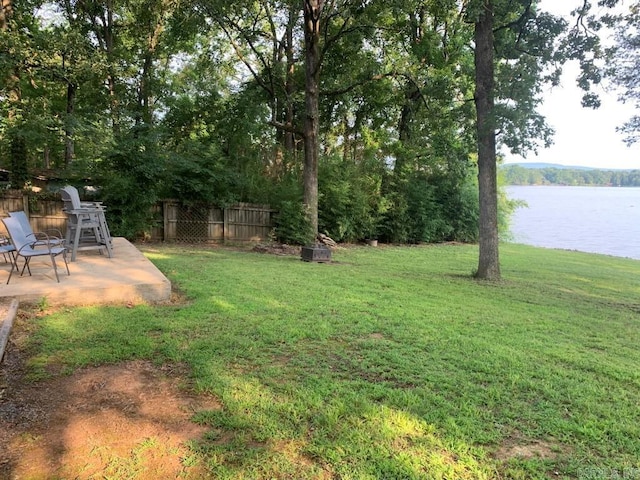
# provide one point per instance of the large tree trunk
(69, 146)
(17, 142)
(6, 9)
(108, 38)
(312, 12)
(489, 262)
(290, 85)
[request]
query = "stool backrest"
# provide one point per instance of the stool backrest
(70, 197)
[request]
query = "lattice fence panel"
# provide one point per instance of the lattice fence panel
(192, 224)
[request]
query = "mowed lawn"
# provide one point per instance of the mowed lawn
(390, 362)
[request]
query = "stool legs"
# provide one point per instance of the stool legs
(81, 221)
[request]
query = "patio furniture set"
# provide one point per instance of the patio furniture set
(87, 229)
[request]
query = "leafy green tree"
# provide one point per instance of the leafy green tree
(17, 28)
(624, 65)
(517, 50)
(419, 107)
(130, 180)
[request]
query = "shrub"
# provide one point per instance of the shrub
(350, 201)
(130, 179)
(292, 224)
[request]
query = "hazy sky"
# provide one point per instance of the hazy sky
(584, 137)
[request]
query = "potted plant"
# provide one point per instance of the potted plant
(373, 223)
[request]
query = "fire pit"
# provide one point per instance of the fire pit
(316, 253)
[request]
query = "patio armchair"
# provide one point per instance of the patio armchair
(53, 237)
(27, 248)
(7, 248)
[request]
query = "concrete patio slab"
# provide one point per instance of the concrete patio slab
(127, 277)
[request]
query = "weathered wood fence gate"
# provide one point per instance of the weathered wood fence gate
(243, 222)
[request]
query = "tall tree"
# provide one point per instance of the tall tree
(312, 17)
(488, 262)
(263, 34)
(266, 38)
(14, 36)
(516, 53)
(148, 26)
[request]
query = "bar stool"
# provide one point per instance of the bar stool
(87, 227)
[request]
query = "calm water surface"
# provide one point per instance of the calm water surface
(590, 219)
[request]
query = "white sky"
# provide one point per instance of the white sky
(584, 137)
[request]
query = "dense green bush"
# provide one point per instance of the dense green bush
(350, 201)
(430, 208)
(465, 211)
(129, 182)
(292, 224)
(198, 174)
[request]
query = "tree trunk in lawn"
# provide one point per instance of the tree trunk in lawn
(312, 12)
(488, 263)
(69, 146)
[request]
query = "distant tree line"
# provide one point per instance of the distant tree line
(519, 175)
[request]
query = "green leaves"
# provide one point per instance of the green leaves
(218, 87)
(623, 64)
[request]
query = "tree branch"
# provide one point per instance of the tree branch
(353, 86)
(287, 127)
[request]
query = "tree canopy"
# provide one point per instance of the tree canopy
(354, 118)
(624, 65)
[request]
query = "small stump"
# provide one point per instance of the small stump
(316, 253)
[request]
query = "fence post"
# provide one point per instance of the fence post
(25, 205)
(165, 219)
(170, 219)
(225, 224)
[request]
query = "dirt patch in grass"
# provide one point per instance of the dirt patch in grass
(526, 450)
(376, 336)
(131, 420)
(278, 249)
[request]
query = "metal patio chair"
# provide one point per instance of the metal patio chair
(7, 248)
(27, 248)
(53, 237)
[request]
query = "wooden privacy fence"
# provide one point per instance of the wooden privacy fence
(244, 222)
(44, 215)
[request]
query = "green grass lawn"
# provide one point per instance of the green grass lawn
(390, 362)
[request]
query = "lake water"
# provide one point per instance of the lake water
(590, 219)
